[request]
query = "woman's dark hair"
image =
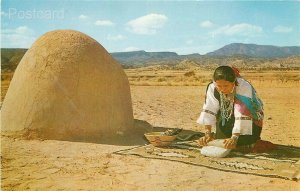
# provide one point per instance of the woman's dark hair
(224, 73)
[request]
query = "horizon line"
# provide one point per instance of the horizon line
(112, 52)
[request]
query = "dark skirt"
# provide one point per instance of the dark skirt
(225, 131)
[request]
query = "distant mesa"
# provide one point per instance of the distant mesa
(67, 86)
(143, 56)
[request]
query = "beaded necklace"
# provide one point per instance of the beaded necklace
(226, 106)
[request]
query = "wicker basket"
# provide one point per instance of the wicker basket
(159, 139)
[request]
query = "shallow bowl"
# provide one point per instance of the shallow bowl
(159, 139)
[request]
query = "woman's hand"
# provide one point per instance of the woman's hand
(205, 139)
(230, 143)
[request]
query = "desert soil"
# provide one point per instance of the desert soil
(63, 165)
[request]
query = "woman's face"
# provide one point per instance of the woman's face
(224, 86)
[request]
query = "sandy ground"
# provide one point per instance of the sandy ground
(62, 165)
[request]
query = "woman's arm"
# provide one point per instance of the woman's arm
(210, 109)
(231, 142)
(207, 129)
(207, 137)
(208, 115)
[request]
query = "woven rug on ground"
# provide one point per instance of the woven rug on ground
(283, 162)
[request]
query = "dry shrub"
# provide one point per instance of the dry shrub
(189, 74)
(161, 79)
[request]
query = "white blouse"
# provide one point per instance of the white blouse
(242, 124)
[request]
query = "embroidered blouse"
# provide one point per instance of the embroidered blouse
(248, 108)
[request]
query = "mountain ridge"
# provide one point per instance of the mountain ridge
(254, 50)
(246, 55)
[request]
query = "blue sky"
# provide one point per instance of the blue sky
(184, 27)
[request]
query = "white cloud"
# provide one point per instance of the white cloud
(148, 24)
(131, 48)
(83, 17)
(21, 37)
(189, 42)
(282, 29)
(24, 30)
(3, 13)
(116, 37)
(243, 29)
(206, 24)
(107, 23)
